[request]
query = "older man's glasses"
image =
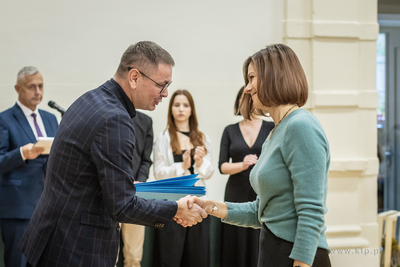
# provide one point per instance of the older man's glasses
(163, 87)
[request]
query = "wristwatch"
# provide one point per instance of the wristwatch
(214, 208)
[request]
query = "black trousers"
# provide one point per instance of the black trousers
(177, 246)
(12, 231)
(275, 252)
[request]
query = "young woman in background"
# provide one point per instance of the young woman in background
(182, 150)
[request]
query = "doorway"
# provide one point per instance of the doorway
(388, 115)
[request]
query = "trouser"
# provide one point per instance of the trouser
(12, 231)
(275, 251)
(133, 238)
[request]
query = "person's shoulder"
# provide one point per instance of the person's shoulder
(303, 121)
(163, 134)
(268, 124)
(7, 112)
(163, 138)
(143, 117)
(46, 113)
(232, 127)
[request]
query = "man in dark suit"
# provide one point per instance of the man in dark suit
(133, 234)
(22, 167)
(89, 184)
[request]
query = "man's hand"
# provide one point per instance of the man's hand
(31, 152)
(189, 215)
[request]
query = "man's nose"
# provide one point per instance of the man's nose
(164, 93)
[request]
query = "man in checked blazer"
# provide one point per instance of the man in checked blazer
(22, 167)
(89, 184)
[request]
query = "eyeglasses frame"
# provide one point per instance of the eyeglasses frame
(163, 87)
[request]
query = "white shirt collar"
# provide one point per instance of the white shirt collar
(27, 111)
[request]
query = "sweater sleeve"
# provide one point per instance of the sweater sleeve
(243, 214)
(306, 153)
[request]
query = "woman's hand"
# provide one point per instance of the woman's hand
(198, 155)
(186, 162)
(249, 160)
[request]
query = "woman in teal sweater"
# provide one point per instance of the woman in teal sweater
(291, 175)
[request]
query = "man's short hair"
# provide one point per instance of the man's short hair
(26, 71)
(145, 56)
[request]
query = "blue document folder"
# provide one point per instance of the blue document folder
(171, 188)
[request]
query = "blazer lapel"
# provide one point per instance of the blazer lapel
(47, 124)
(21, 119)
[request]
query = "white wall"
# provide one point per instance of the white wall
(77, 46)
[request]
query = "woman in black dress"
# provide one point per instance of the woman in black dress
(240, 148)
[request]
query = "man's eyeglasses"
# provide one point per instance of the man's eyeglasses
(163, 87)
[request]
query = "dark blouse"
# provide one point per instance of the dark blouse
(178, 157)
(235, 148)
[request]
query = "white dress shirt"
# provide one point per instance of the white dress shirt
(27, 112)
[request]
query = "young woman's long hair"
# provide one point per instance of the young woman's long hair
(196, 137)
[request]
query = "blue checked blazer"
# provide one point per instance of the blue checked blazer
(89, 186)
(21, 182)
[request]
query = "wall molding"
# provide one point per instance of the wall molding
(330, 29)
(368, 166)
(344, 98)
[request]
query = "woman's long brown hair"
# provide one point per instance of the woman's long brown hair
(196, 137)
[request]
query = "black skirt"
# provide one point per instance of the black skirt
(275, 251)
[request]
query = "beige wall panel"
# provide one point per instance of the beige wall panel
(338, 125)
(298, 10)
(339, 10)
(367, 66)
(369, 14)
(335, 64)
(342, 205)
(366, 203)
(366, 135)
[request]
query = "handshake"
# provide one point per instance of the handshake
(192, 210)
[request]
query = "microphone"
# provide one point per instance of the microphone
(53, 104)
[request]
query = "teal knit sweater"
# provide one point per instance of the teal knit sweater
(291, 182)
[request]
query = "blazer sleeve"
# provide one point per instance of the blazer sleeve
(145, 161)
(112, 151)
(206, 169)
(162, 166)
(9, 160)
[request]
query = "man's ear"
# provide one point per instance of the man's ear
(133, 76)
(17, 88)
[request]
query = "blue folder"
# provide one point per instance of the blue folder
(171, 188)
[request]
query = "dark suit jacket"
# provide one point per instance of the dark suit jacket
(89, 186)
(143, 146)
(21, 182)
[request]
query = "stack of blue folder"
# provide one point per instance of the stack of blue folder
(171, 188)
